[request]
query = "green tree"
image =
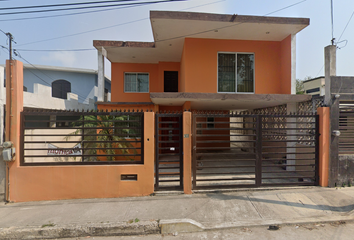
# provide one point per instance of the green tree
(111, 134)
(300, 85)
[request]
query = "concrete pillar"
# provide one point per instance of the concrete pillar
(324, 121)
(293, 64)
(2, 163)
(330, 70)
(2, 103)
(187, 152)
(149, 148)
(290, 150)
(101, 54)
(53, 118)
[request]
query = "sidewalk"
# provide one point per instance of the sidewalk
(175, 213)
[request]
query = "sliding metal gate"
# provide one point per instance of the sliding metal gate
(169, 152)
(252, 150)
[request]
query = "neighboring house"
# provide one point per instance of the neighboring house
(63, 80)
(208, 62)
(315, 86)
(60, 88)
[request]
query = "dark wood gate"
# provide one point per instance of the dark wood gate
(254, 150)
(169, 152)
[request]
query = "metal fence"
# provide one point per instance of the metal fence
(274, 149)
(74, 137)
(346, 127)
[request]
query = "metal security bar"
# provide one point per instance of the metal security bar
(289, 149)
(169, 151)
(346, 127)
(225, 150)
(81, 138)
(254, 150)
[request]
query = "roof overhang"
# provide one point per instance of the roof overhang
(220, 101)
(171, 28)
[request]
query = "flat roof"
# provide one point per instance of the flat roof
(170, 28)
(56, 68)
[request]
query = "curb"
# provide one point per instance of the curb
(188, 225)
(71, 231)
(150, 227)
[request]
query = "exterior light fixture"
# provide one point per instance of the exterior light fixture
(336, 133)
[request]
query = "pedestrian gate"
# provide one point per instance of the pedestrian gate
(169, 152)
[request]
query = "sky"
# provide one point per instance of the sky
(132, 24)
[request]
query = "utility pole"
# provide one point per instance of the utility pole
(9, 114)
(9, 35)
(9, 85)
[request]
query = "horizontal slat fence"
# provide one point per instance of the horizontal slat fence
(81, 138)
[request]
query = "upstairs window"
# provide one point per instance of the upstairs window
(236, 72)
(136, 82)
(60, 88)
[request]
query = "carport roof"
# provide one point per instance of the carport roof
(220, 101)
(170, 28)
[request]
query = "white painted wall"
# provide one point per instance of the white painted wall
(42, 98)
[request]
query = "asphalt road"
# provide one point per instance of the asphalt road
(330, 231)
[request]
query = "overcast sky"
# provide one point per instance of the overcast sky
(132, 24)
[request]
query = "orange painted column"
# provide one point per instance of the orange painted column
(14, 107)
(187, 152)
(324, 122)
(186, 106)
(149, 147)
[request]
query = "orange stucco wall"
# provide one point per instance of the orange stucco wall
(324, 119)
(285, 65)
(71, 182)
(199, 63)
(198, 68)
(156, 79)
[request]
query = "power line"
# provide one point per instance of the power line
(346, 26)
(64, 4)
(56, 50)
(332, 40)
(87, 7)
(68, 14)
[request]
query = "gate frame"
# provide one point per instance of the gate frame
(157, 162)
(258, 147)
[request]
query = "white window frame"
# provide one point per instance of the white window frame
(137, 74)
(254, 72)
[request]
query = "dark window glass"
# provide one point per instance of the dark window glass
(24, 88)
(37, 121)
(105, 95)
(60, 88)
(313, 90)
(211, 124)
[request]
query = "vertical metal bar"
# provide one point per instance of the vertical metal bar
(194, 151)
(83, 138)
(22, 138)
(258, 150)
(142, 139)
(156, 151)
(317, 151)
(181, 150)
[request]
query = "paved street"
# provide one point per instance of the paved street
(328, 231)
(247, 212)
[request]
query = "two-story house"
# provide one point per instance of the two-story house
(203, 61)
